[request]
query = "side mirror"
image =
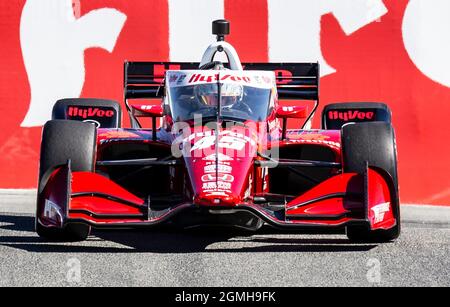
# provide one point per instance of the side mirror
(296, 112)
(152, 111)
(147, 110)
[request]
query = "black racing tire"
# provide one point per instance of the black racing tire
(70, 233)
(373, 142)
(64, 140)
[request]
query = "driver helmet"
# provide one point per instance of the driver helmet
(207, 94)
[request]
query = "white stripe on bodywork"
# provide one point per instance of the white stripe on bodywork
(190, 27)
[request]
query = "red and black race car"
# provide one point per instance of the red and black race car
(218, 152)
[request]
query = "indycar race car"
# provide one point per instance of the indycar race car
(218, 152)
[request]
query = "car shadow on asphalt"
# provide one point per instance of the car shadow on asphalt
(20, 234)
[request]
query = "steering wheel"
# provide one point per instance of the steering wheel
(238, 105)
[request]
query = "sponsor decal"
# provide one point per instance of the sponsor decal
(379, 211)
(52, 211)
(90, 112)
(320, 142)
(219, 185)
(222, 133)
(221, 168)
(221, 158)
(118, 135)
(217, 193)
(173, 78)
(181, 79)
(287, 109)
(177, 78)
(313, 136)
(149, 107)
(351, 115)
(195, 78)
(251, 78)
(220, 177)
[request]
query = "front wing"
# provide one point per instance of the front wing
(367, 199)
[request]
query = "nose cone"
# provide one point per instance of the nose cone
(219, 166)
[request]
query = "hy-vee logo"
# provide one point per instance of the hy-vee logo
(351, 115)
(86, 113)
(214, 78)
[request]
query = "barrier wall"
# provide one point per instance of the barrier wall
(394, 51)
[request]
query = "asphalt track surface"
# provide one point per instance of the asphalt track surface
(420, 257)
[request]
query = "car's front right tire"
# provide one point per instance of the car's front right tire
(64, 140)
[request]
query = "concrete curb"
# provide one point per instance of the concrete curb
(425, 214)
(18, 201)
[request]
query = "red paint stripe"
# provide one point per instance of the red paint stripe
(249, 28)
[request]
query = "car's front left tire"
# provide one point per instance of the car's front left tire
(372, 142)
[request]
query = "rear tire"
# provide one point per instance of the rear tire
(64, 140)
(375, 143)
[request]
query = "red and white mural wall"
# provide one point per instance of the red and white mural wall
(395, 51)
